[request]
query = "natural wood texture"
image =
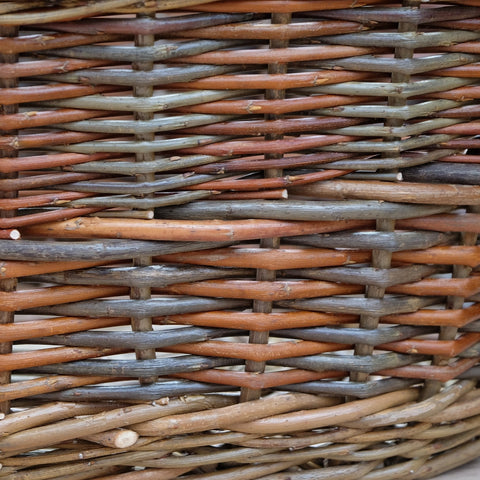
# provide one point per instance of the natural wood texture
(239, 239)
(179, 230)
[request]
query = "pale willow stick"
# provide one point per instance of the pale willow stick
(64, 14)
(51, 434)
(118, 438)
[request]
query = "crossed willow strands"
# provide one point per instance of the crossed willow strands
(239, 239)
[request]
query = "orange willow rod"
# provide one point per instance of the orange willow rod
(186, 230)
(269, 258)
(35, 43)
(45, 67)
(256, 352)
(9, 234)
(468, 128)
(15, 269)
(454, 318)
(40, 119)
(39, 297)
(260, 322)
(37, 162)
(448, 255)
(39, 93)
(464, 71)
(463, 287)
(444, 222)
(256, 146)
(35, 140)
(268, 31)
(278, 107)
(260, 127)
(44, 180)
(450, 348)
(41, 200)
(259, 183)
(408, 192)
(463, 94)
(27, 388)
(432, 372)
(12, 332)
(44, 217)
(460, 159)
(277, 81)
(257, 290)
(47, 356)
(280, 55)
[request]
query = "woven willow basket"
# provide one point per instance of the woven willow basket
(238, 239)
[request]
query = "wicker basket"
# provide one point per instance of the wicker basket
(238, 239)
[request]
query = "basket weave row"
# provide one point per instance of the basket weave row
(239, 239)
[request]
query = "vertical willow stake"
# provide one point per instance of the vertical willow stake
(7, 285)
(382, 258)
(143, 324)
(453, 302)
(264, 274)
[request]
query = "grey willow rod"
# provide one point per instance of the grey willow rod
(153, 275)
(107, 249)
(300, 210)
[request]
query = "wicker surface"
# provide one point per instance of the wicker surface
(238, 239)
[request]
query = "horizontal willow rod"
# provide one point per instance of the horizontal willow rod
(413, 40)
(141, 308)
(158, 52)
(65, 13)
(145, 26)
(12, 332)
(131, 202)
(408, 192)
(155, 103)
(367, 275)
(91, 250)
(268, 258)
(346, 388)
(372, 239)
(133, 368)
(395, 89)
(158, 76)
(153, 166)
(407, 159)
(358, 306)
(168, 124)
(131, 146)
(150, 276)
(155, 339)
(350, 335)
(128, 393)
(188, 231)
(459, 173)
(277, 6)
(412, 66)
(300, 210)
(350, 363)
(167, 182)
(416, 16)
